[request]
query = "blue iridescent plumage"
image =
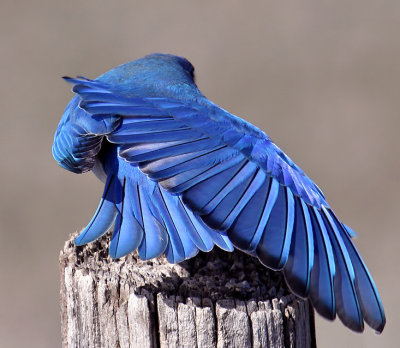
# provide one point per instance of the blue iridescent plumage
(182, 175)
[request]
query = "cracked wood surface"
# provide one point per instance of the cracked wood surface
(217, 299)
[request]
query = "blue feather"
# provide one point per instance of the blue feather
(153, 151)
(155, 239)
(256, 183)
(193, 177)
(370, 303)
(347, 304)
(217, 216)
(265, 218)
(274, 246)
(74, 151)
(221, 240)
(162, 125)
(104, 217)
(322, 292)
(242, 231)
(203, 236)
(129, 121)
(173, 135)
(200, 234)
(180, 246)
(349, 231)
(206, 185)
(224, 186)
(301, 256)
(138, 109)
(128, 232)
(168, 167)
(83, 81)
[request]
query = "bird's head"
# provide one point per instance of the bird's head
(152, 73)
(171, 60)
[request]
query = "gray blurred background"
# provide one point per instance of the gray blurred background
(321, 77)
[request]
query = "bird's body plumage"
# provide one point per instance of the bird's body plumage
(181, 174)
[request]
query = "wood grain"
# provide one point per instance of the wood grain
(217, 299)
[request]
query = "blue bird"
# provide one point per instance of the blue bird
(182, 174)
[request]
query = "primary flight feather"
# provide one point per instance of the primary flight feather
(182, 175)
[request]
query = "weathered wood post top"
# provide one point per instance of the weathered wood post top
(217, 299)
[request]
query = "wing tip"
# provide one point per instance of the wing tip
(117, 253)
(68, 79)
(380, 326)
(83, 239)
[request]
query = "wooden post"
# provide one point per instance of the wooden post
(217, 299)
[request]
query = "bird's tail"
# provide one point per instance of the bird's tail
(148, 218)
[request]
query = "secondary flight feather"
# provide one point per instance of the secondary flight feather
(182, 175)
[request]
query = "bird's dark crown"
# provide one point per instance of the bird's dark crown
(158, 68)
(172, 59)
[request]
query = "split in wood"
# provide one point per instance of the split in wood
(216, 299)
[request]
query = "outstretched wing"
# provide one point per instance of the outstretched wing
(240, 183)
